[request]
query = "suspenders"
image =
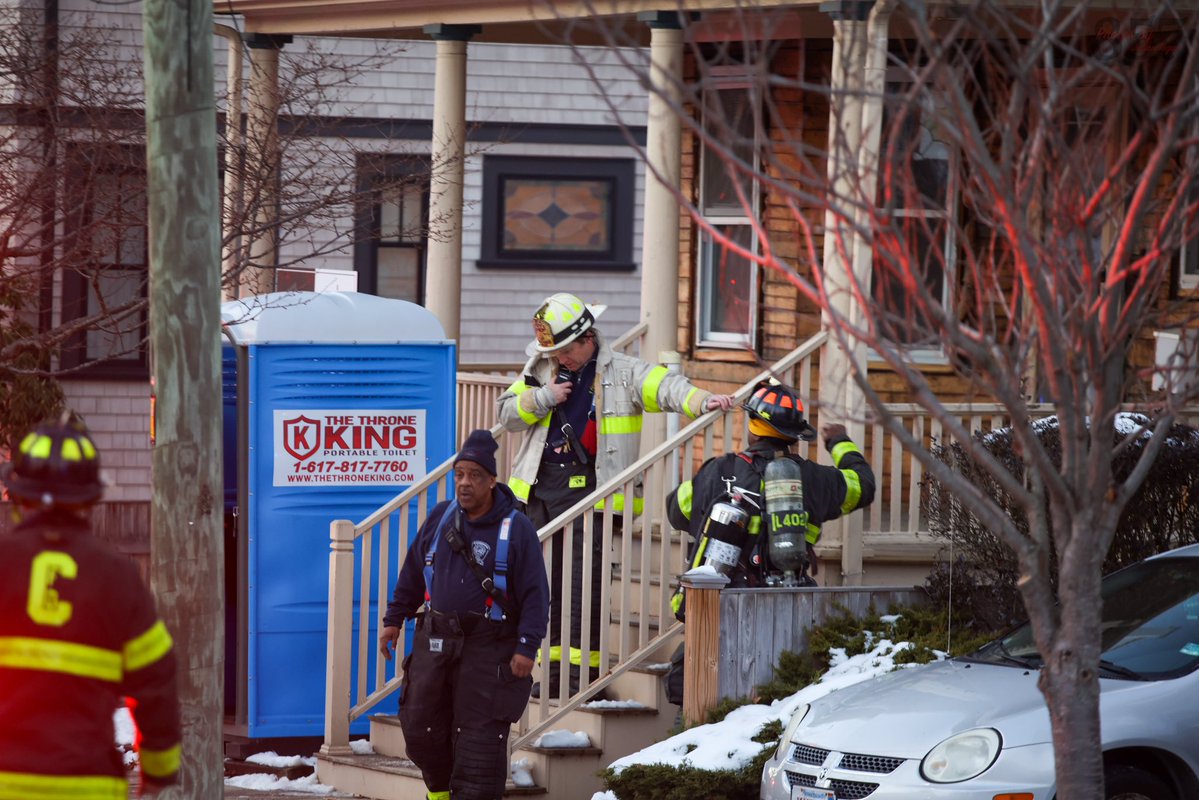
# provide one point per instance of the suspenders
(495, 585)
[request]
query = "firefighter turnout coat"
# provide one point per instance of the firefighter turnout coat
(625, 388)
(78, 632)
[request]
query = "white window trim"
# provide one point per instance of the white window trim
(732, 78)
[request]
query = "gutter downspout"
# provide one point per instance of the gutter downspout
(234, 156)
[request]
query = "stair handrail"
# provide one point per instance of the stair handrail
(344, 534)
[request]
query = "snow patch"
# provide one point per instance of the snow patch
(563, 739)
(522, 772)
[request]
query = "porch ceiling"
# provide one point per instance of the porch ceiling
(517, 21)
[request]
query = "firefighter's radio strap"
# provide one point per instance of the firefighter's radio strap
(495, 586)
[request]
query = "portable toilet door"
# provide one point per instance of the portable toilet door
(348, 399)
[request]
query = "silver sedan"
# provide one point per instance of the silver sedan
(977, 728)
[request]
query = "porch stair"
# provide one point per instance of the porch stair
(559, 773)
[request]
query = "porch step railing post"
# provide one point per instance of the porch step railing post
(701, 642)
(340, 641)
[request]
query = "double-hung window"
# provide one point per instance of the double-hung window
(917, 200)
(727, 287)
(107, 250)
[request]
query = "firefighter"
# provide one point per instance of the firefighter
(822, 492)
(475, 581)
(78, 632)
(578, 405)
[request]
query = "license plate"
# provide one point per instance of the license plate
(810, 793)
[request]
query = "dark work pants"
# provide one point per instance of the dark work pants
(550, 496)
(459, 702)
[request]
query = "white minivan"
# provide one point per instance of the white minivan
(976, 727)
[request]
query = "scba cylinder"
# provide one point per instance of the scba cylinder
(785, 516)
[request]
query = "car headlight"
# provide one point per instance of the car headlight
(789, 731)
(962, 756)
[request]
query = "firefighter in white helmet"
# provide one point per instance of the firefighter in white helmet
(579, 406)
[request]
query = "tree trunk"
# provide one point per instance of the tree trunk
(186, 510)
(1069, 680)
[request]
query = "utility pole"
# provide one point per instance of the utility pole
(187, 563)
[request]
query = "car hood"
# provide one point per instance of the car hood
(905, 713)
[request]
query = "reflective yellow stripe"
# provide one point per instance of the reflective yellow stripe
(699, 553)
(518, 388)
(147, 648)
(683, 498)
(649, 388)
(840, 449)
(618, 504)
(853, 490)
(676, 602)
(576, 657)
(160, 763)
(613, 425)
(438, 795)
(755, 526)
(520, 488)
(813, 534)
(26, 786)
(18, 652)
(555, 654)
(71, 451)
(687, 404)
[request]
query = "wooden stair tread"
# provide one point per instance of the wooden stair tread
(562, 752)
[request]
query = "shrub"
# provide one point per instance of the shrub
(1164, 513)
(924, 627)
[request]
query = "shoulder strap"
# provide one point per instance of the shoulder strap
(500, 580)
(428, 570)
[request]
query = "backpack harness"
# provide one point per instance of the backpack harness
(495, 585)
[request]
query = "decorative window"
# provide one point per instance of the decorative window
(107, 249)
(391, 221)
(727, 285)
(546, 213)
(920, 201)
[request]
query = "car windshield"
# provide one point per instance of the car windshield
(1150, 624)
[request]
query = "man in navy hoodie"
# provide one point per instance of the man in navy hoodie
(475, 582)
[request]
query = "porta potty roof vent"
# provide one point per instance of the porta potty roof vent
(328, 317)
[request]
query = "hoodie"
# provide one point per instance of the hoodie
(455, 588)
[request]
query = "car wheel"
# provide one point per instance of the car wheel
(1132, 783)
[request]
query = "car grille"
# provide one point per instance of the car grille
(815, 756)
(845, 790)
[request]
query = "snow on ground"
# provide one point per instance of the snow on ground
(269, 783)
(729, 744)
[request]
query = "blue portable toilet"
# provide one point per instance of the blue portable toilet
(342, 400)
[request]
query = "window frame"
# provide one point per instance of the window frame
(373, 170)
(920, 352)
(727, 78)
(619, 173)
(84, 164)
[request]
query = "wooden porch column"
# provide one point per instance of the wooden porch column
(262, 155)
(443, 277)
(840, 399)
(660, 224)
(701, 643)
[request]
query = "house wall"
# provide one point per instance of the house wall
(578, 102)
